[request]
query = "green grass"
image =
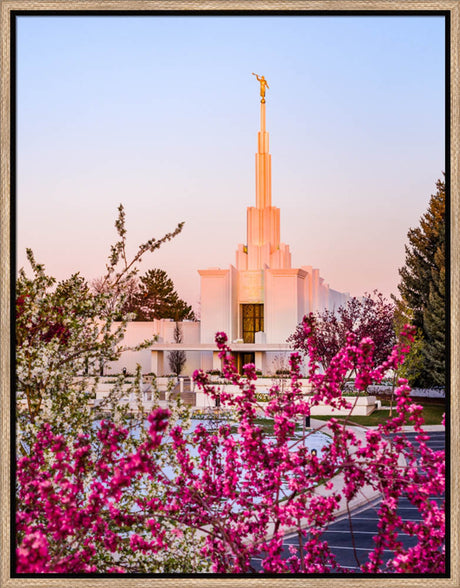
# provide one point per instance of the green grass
(266, 425)
(432, 413)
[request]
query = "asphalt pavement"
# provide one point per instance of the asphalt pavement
(363, 522)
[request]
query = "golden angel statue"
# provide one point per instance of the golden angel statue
(263, 84)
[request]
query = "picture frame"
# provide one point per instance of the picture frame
(11, 9)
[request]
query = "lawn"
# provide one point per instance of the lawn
(432, 413)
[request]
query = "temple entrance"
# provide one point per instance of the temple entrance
(242, 358)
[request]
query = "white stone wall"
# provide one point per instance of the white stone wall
(216, 303)
(337, 299)
(284, 303)
(251, 287)
(137, 332)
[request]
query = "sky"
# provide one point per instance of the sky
(161, 114)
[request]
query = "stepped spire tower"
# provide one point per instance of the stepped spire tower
(263, 249)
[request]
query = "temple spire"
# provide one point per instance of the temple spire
(263, 157)
(263, 248)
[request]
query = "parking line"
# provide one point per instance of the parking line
(357, 548)
(349, 532)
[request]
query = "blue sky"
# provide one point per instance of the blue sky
(162, 114)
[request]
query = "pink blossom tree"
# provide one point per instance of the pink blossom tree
(370, 316)
(236, 495)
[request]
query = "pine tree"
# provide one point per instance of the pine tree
(434, 319)
(422, 289)
(156, 298)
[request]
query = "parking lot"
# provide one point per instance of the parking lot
(364, 524)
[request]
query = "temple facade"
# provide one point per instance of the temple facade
(258, 301)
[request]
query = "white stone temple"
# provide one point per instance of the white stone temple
(258, 302)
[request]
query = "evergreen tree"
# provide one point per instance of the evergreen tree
(156, 298)
(422, 289)
(434, 319)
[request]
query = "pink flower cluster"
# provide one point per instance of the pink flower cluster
(241, 492)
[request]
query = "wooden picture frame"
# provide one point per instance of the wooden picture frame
(10, 8)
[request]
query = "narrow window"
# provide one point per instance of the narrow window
(252, 321)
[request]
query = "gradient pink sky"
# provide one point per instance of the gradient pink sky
(162, 115)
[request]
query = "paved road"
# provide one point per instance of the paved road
(364, 522)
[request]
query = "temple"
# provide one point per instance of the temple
(260, 300)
